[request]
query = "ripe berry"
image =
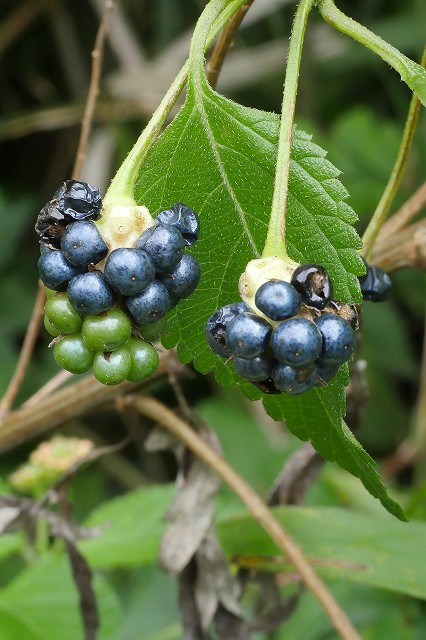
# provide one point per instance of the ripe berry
(183, 279)
(112, 367)
(72, 354)
(144, 360)
(338, 339)
(296, 342)
(164, 244)
(81, 200)
(107, 331)
(294, 381)
(313, 283)
(150, 305)
(55, 270)
(82, 244)
(248, 335)
(277, 299)
(217, 327)
(326, 371)
(62, 315)
(184, 219)
(375, 284)
(89, 294)
(129, 271)
(260, 368)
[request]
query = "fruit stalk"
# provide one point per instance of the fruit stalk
(275, 239)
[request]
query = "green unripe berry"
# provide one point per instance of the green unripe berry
(107, 331)
(49, 293)
(50, 327)
(62, 315)
(144, 360)
(72, 354)
(113, 367)
(154, 330)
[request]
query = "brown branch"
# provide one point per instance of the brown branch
(407, 248)
(86, 123)
(25, 354)
(73, 401)
(154, 410)
(405, 214)
(223, 43)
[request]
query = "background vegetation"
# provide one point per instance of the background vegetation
(355, 107)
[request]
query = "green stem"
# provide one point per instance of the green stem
(388, 196)
(275, 239)
(212, 20)
(411, 72)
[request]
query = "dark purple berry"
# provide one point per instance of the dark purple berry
(258, 369)
(184, 219)
(150, 305)
(82, 244)
(338, 339)
(129, 271)
(217, 327)
(55, 270)
(313, 283)
(90, 294)
(296, 342)
(294, 381)
(277, 299)
(183, 279)
(375, 284)
(248, 335)
(164, 244)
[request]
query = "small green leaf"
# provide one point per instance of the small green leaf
(131, 528)
(371, 550)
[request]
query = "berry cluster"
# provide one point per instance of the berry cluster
(99, 316)
(295, 335)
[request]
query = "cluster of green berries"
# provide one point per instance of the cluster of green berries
(292, 337)
(105, 304)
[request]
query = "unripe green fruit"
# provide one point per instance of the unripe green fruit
(49, 293)
(72, 354)
(50, 327)
(144, 360)
(154, 330)
(62, 315)
(113, 367)
(107, 331)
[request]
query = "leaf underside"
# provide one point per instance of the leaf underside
(219, 158)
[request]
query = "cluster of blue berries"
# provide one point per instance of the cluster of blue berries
(297, 336)
(129, 298)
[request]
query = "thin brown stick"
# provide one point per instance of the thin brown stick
(407, 248)
(156, 411)
(17, 21)
(87, 120)
(75, 400)
(25, 354)
(405, 214)
(223, 43)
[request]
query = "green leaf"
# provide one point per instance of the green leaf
(219, 158)
(375, 551)
(131, 528)
(42, 603)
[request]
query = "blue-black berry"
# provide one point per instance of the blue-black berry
(257, 369)
(183, 279)
(338, 339)
(164, 244)
(296, 342)
(248, 335)
(277, 299)
(150, 305)
(184, 219)
(326, 371)
(82, 244)
(55, 270)
(129, 271)
(294, 381)
(314, 285)
(89, 294)
(217, 327)
(375, 284)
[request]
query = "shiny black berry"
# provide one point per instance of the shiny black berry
(296, 342)
(257, 369)
(338, 339)
(164, 244)
(217, 327)
(129, 271)
(90, 294)
(184, 219)
(183, 279)
(294, 381)
(375, 284)
(314, 285)
(150, 305)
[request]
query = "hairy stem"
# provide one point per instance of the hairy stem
(391, 188)
(411, 72)
(166, 418)
(275, 239)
